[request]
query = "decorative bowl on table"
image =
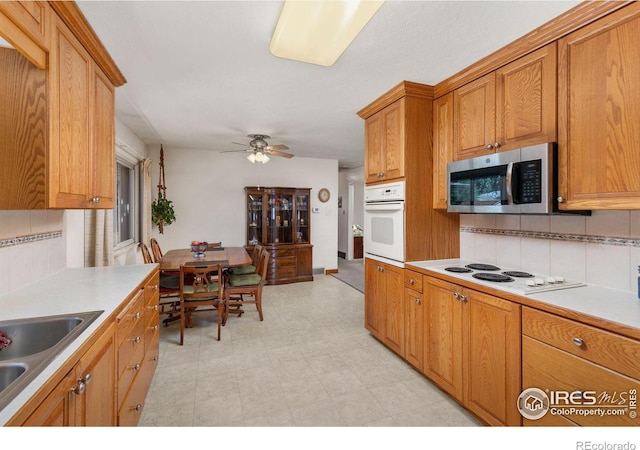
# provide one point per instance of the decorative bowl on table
(198, 248)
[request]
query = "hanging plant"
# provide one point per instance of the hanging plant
(162, 212)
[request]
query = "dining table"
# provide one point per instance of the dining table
(226, 256)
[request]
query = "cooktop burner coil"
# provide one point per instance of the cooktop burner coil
(458, 269)
(496, 277)
(518, 274)
(487, 267)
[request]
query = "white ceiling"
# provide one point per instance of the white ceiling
(200, 74)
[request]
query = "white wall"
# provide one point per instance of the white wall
(603, 249)
(207, 189)
(351, 189)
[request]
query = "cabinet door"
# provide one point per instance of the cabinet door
(443, 335)
(57, 409)
(474, 118)
(442, 147)
(69, 84)
(414, 328)
(374, 306)
(526, 100)
(302, 228)
(394, 307)
(373, 141)
(255, 218)
(492, 358)
(102, 155)
(97, 405)
(393, 144)
(599, 113)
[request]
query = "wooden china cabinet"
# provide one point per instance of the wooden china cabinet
(279, 219)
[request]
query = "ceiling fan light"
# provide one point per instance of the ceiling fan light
(318, 32)
(265, 159)
(252, 158)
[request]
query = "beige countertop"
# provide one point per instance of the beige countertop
(69, 291)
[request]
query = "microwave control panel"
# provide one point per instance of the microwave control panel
(530, 174)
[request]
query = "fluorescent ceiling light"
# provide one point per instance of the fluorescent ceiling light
(318, 32)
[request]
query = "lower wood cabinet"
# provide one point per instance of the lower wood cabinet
(597, 369)
(86, 395)
(472, 349)
(108, 384)
(384, 298)
(465, 341)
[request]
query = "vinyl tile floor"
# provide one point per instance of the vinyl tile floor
(310, 363)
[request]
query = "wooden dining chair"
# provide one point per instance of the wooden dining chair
(155, 248)
(201, 289)
(169, 289)
(246, 288)
(249, 268)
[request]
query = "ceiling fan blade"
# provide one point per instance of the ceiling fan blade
(238, 143)
(236, 151)
(277, 147)
(277, 153)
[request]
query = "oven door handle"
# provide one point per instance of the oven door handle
(384, 206)
(509, 183)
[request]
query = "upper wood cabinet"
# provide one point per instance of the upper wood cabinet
(508, 108)
(81, 147)
(442, 147)
(599, 114)
(59, 138)
(384, 139)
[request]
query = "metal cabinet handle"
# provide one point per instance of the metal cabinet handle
(496, 145)
(560, 199)
(579, 342)
(418, 301)
(136, 315)
(138, 407)
(412, 281)
(456, 295)
(136, 340)
(135, 367)
(463, 298)
(489, 147)
(95, 199)
(81, 384)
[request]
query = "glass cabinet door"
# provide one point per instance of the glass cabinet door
(279, 219)
(302, 219)
(254, 219)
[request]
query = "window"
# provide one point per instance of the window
(126, 217)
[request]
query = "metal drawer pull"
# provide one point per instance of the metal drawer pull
(136, 340)
(456, 295)
(136, 315)
(463, 298)
(579, 342)
(412, 281)
(135, 367)
(418, 301)
(138, 407)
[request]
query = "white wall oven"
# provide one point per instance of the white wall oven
(384, 222)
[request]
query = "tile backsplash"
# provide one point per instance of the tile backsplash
(32, 247)
(601, 249)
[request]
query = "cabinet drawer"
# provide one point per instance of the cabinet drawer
(413, 280)
(284, 272)
(282, 262)
(129, 318)
(132, 344)
(608, 349)
(550, 369)
(283, 252)
(128, 371)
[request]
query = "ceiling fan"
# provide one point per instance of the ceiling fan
(260, 149)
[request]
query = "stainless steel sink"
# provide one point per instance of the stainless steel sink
(35, 342)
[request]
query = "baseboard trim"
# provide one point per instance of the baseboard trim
(330, 271)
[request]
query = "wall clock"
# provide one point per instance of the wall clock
(324, 194)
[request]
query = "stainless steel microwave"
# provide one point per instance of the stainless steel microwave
(519, 181)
